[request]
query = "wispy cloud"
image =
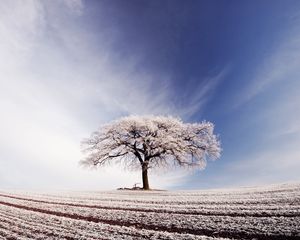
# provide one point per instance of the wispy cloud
(276, 156)
(265, 167)
(278, 77)
(75, 6)
(281, 64)
(59, 82)
(200, 91)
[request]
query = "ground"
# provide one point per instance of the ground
(270, 212)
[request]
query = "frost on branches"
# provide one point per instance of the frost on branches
(152, 141)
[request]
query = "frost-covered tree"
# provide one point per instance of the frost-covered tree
(146, 142)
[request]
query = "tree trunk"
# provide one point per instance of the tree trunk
(145, 179)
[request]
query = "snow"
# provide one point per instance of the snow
(152, 141)
(258, 212)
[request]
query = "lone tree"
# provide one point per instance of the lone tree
(151, 141)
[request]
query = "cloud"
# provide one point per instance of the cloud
(200, 91)
(75, 6)
(59, 82)
(281, 64)
(265, 167)
(272, 99)
(277, 82)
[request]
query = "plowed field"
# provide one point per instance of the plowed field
(271, 212)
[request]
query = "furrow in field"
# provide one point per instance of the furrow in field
(183, 226)
(45, 226)
(104, 231)
(291, 200)
(42, 227)
(226, 210)
(151, 204)
(48, 229)
(5, 233)
(223, 193)
(17, 231)
(263, 213)
(25, 231)
(36, 228)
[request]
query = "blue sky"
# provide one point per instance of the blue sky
(68, 66)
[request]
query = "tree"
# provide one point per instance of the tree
(146, 142)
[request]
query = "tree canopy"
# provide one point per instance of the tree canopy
(152, 141)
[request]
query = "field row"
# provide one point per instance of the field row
(235, 196)
(18, 223)
(288, 209)
(153, 215)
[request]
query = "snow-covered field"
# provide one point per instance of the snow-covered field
(271, 212)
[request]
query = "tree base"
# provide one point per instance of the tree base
(139, 189)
